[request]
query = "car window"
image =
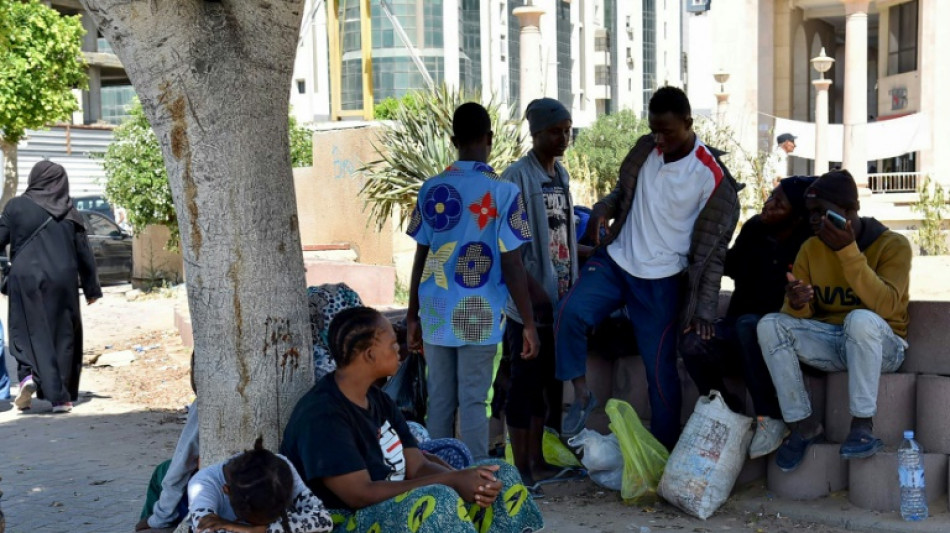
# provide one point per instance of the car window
(100, 225)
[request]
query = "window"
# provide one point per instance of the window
(602, 75)
(101, 226)
(649, 52)
(564, 60)
(902, 38)
(514, 55)
(301, 86)
(470, 58)
(116, 100)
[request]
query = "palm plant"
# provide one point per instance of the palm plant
(417, 145)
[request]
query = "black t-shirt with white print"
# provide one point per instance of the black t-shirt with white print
(328, 435)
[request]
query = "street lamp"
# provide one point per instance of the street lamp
(822, 64)
(722, 97)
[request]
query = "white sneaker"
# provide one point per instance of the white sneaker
(64, 407)
(24, 399)
(769, 433)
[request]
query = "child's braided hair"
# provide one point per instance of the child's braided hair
(261, 484)
(352, 330)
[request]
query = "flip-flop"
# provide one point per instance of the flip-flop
(860, 444)
(569, 473)
(535, 492)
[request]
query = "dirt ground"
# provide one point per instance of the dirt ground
(158, 380)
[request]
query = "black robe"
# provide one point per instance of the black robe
(44, 321)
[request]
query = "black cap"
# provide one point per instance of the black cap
(784, 138)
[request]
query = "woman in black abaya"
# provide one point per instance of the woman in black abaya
(48, 263)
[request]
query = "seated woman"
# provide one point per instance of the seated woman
(254, 492)
(353, 447)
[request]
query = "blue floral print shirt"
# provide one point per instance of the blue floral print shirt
(467, 217)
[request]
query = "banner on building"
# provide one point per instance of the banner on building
(885, 138)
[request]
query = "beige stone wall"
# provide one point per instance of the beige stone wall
(150, 259)
(329, 206)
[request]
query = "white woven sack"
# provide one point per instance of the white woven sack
(707, 459)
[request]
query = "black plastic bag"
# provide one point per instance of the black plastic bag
(408, 388)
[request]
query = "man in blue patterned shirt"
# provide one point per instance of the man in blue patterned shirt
(468, 225)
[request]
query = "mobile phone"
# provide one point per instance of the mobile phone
(839, 221)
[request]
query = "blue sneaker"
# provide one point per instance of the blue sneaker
(577, 415)
(792, 451)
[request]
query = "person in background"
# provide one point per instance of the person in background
(4, 374)
(777, 167)
(759, 260)
(468, 225)
(50, 256)
(845, 310)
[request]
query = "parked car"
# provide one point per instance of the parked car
(94, 202)
(111, 246)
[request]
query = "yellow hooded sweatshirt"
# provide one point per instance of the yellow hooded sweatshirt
(873, 275)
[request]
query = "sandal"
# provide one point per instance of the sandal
(860, 444)
(567, 474)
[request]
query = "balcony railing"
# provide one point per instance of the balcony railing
(885, 182)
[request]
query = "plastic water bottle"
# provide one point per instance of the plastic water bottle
(910, 470)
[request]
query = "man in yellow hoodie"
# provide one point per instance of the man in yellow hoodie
(845, 310)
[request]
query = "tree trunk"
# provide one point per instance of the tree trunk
(10, 176)
(214, 80)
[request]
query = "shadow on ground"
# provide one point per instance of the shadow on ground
(80, 472)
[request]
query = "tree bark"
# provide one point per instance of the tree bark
(214, 80)
(10, 176)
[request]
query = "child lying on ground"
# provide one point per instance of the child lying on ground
(254, 492)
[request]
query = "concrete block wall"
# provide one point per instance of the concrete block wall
(822, 472)
(906, 400)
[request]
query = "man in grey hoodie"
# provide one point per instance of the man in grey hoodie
(550, 260)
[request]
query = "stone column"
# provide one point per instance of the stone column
(856, 90)
(531, 83)
(722, 104)
(821, 125)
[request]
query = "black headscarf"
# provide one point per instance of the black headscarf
(49, 188)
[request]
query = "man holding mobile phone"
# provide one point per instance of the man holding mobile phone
(845, 310)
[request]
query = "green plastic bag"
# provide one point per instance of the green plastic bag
(644, 458)
(555, 452)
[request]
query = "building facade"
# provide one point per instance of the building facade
(887, 66)
(597, 56)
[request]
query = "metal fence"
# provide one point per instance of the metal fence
(885, 182)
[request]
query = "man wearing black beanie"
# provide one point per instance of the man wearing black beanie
(759, 260)
(845, 310)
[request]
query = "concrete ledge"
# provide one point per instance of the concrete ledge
(933, 428)
(874, 483)
(928, 336)
(896, 402)
(817, 386)
(821, 473)
(375, 284)
(752, 470)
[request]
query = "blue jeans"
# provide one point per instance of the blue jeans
(4, 375)
(733, 351)
(652, 306)
(864, 346)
